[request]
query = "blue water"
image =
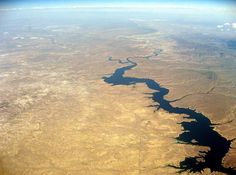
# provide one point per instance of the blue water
(197, 131)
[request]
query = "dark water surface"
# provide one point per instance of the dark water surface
(197, 131)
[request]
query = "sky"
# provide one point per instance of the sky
(36, 2)
(9, 4)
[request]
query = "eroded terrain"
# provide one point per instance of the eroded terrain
(58, 116)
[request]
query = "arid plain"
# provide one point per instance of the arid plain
(58, 116)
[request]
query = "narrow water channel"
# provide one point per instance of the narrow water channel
(197, 131)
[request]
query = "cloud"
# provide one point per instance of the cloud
(227, 26)
(234, 25)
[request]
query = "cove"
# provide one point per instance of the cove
(198, 130)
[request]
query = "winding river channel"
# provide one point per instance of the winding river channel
(197, 128)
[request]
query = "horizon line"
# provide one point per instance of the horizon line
(117, 6)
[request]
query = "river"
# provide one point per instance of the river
(197, 130)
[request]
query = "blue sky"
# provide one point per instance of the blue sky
(123, 2)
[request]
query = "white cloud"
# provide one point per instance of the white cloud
(18, 38)
(35, 38)
(227, 26)
(234, 25)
